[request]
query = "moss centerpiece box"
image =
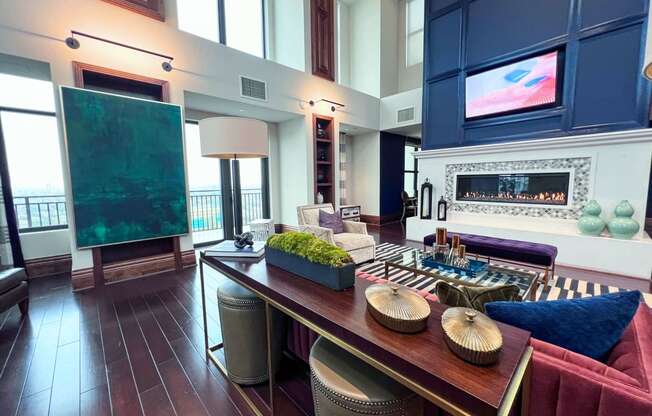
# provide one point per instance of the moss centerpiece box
(309, 257)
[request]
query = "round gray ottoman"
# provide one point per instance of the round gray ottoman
(244, 333)
(343, 385)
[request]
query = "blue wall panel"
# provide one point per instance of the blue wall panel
(436, 5)
(594, 12)
(512, 131)
(444, 42)
(442, 107)
(392, 160)
(607, 84)
(497, 27)
(603, 87)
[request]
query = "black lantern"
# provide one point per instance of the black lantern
(426, 200)
(442, 207)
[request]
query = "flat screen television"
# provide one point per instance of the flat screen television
(525, 85)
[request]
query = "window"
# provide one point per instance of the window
(31, 137)
(410, 170)
(414, 11)
(243, 22)
(244, 26)
(209, 222)
(205, 187)
(199, 17)
(26, 93)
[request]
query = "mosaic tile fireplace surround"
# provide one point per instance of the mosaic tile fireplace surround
(499, 190)
(531, 188)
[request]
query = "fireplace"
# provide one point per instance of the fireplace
(514, 188)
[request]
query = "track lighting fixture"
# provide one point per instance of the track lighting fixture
(334, 105)
(73, 43)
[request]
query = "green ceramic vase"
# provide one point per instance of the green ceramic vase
(590, 222)
(622, 225)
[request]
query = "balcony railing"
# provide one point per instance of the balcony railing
(206, 208)
(38, 213)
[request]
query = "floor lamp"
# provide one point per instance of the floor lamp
(233, 138)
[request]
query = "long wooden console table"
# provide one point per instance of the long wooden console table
(422, 362)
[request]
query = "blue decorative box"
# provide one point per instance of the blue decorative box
(475, 266)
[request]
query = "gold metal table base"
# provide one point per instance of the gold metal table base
(520, 382)
(212, 349)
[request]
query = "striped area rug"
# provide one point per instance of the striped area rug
(557, 288)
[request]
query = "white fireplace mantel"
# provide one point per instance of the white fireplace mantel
(619, 170)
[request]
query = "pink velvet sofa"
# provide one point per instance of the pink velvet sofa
(565, 383)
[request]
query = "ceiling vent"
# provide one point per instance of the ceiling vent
(404, 115)
(253, 88)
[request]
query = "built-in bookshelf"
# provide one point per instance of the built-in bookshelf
(323, 155)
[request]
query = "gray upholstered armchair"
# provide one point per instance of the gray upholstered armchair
(354, 239)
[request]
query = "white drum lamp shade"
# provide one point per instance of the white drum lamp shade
(233, 138)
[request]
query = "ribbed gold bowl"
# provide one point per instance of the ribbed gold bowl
(472, 335)
(397, 308)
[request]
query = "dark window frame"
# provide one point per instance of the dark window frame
(415, 171)
(221, 19)
(232, 219)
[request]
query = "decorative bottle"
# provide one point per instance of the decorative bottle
(590, 222)
(622, 225)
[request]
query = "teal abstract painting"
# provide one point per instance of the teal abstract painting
(126, 167)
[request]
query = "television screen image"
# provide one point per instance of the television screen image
(523, 85)
(127, 167)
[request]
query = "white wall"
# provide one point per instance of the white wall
(365, 167)
(373, 46)
(45, 244)
(365, 46)
(295, 173)
(389, 12)
(409, 77)
(343, 34)
(274, 172)
(285, 33)
(36, 30)
(390, 105)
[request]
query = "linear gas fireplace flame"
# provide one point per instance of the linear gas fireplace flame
(514, 188)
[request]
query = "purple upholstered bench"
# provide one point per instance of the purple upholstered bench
(541, 255)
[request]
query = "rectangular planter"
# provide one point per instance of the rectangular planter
(338, 278)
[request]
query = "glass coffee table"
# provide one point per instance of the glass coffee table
(494, 275)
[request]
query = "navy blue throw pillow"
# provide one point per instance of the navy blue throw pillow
(589, 326)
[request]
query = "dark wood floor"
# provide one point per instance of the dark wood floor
(128, 349)
(132, 348)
